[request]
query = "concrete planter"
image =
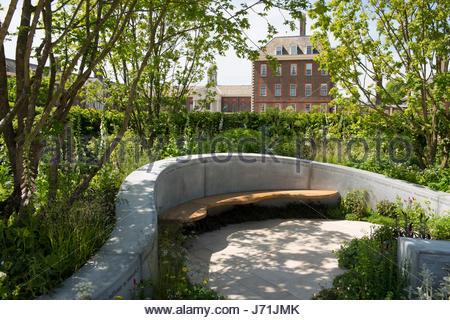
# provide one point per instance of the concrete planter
(416, 254)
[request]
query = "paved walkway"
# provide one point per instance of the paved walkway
(272, 259)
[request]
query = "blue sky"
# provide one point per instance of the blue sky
(231, 69)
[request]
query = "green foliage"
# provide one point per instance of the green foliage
(378, 48)
(173, 282)
(240, 140)
(413, 218)
(38, 255)
(348, 253)
(233, 140)
(371, 261)
(382, 220)
(180, 132)
(440, 227)
(5, 173)
(41, 96)
(372, 269)
(43, 244)
(87, 122)
(351, 216)
(354, 203)
(387, 208)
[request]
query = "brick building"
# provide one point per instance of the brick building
(296, 84)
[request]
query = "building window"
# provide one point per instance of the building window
(324, 89)
(279, 51)
(294, 50)
(323, 107)
(263, 90)
(262, 107)
(293, 90)
(308, 90)
(293, 69)
(309, 50)
(278, 106)
(308, 70)
(323, 72)
(308, 107)
(278, 90)
(290, 107)
(263, 70)
(278, 71)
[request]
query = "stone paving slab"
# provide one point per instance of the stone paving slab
(272, 259)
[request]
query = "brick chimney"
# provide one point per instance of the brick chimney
(303, 25)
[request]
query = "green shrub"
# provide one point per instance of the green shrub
(382, 220)
(372, 269)
(355, 203)
(237, 140)
(440, 227)
(39, 254)
(387, 208)
(352, 217)
(326, 294)
(285, 126)
(413, 219)
(348, 253)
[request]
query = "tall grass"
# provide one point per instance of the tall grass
(38, 254)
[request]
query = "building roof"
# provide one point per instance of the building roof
(11, 66)
(302, 42)
(235, 91)
(11, 70)
(224, 90)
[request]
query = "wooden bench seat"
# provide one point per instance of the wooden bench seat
(197, 209)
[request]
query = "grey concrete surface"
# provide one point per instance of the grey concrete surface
(130, 255)
(416, 254)
(379, 187)
(272, 259)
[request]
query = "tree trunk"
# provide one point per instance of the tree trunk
(11, 204)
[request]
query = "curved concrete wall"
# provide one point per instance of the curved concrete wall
(130, 255)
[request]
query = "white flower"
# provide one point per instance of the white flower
(84, 290)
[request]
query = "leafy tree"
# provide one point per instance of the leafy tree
(185, 40)
(392, 53)
(148, 51)
(64, 38)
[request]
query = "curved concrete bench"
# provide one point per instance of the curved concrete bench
(197, 209)
(130, 255)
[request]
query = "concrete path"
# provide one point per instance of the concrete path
(272, 259)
